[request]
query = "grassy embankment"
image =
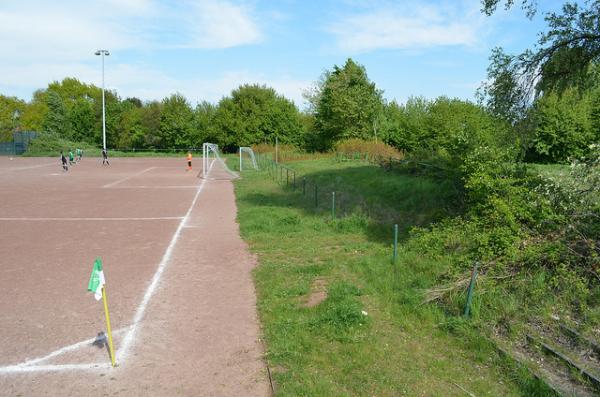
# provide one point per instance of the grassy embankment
(401, 346)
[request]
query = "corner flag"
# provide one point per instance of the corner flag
(96, 285)
(97, 279)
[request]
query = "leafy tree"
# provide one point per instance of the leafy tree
(563, 127)
(255, 114)
(151, 123)
(405, 125)
(81, 118)
(34, 114)
(204, 123)
(9, 120)
(135, 102)
(113, 115)
(444, 127)
(71, 89)
(310, 137)
(346, 104)
(502, 93)
(561, 59)
(458, 126)
(489, 6)
(176, 122)
(55, 120)
(566, 56)
(131, 133)
(595, 109)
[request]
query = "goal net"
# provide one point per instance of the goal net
(246, 156)
(213, 165)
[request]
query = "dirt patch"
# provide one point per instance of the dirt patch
(318, 293)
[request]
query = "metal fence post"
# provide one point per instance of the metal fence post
(333, 205)
(470, 291)
(395, 253)
(304, 186)
(316, 195)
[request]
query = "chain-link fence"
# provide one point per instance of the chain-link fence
(332, 196)
(19, 144)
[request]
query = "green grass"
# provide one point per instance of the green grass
(401, 347)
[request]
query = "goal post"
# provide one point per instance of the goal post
(249, 153)
(211, 158)
(207, 150)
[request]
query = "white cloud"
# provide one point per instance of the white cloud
(37, 75)
(45, 41)
(55, 34)
(132, 80)
(409, 26)
(220, 24)
(34, 29)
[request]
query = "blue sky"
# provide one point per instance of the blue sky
(205, 48)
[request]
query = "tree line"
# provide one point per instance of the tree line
(72, 110)
(344, 104)
(549, 116)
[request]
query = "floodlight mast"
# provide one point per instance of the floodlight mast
(103, 53)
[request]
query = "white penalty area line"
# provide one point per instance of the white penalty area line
(128, 177)
(122, 353)
(157, 218)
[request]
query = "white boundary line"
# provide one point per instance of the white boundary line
(157, 187)
(128, 340)
(31, 365)
(57, 163)
(65, 349)
(158, 218)
(12, 369)
(128, 177)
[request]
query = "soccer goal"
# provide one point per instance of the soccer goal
(213, 165)
(247, 153)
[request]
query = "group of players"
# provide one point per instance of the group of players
(73, 158)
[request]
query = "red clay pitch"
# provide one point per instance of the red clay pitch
(197, 334)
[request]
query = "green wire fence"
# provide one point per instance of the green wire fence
(323, 199)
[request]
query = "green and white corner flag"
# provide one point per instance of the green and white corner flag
(97, 279)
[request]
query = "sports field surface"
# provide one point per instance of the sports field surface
(179, 287)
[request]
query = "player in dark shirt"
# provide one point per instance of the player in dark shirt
(63, 159)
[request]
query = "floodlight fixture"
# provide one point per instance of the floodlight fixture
(103, 53)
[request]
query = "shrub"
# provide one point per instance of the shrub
(50, 144)
(287, 153)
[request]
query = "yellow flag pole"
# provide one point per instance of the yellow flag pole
(110, 340)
